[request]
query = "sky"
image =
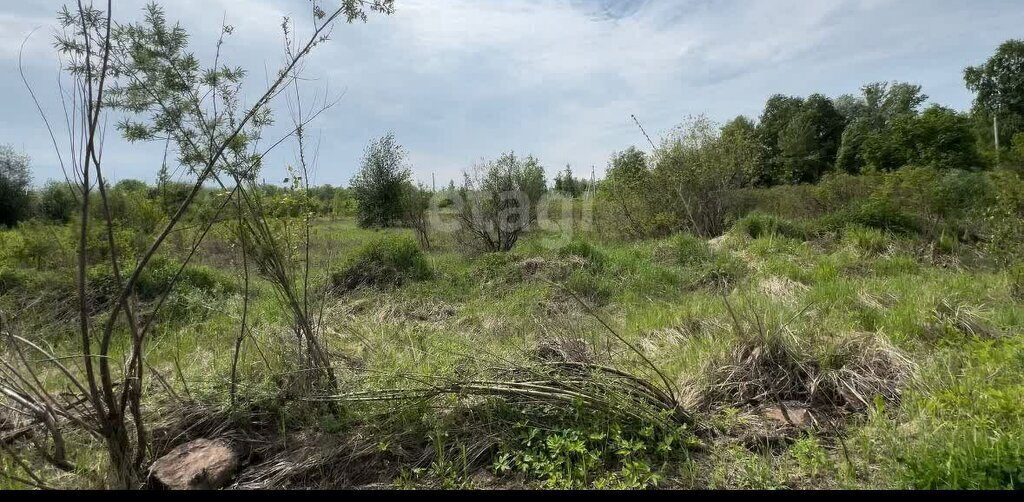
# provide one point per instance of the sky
(458, 81)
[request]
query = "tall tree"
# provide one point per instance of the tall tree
(878, 107)
(742, 149)
(778, 112)
(939, 138)
(998, 85)
(14, 181)
(380, 183)
(808, 144)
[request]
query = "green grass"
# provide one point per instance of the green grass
(445, 314)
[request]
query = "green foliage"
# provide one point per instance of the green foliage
(500, 201)
(809, 142)
(56, 202)
(585, 251)
(385, 261)
(38, 245)
(1004, 216)
(778, 112)
(878, 213)
(724, 271)
(14, 180)
(624, 194)
(998, 85)
(757, 224)
(158, 278)
(939, 138)
(696, 167)
(866, 239)
(1016, 278)
(879, 106)
(588, 453)
(569, 185)
(130, 185)
(691, 250)
(380, 182)
(589, 286)
(968, 422)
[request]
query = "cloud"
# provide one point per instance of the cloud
(458, 80)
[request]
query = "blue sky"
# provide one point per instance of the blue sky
(461, 80)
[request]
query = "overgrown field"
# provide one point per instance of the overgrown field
(829, 297)
(854, 357)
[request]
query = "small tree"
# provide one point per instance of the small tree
(57, 202)
(415, 203)
(380, 183)
(500, 200)
(567, 184)
(14, 180)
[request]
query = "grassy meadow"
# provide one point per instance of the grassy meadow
(907, 360)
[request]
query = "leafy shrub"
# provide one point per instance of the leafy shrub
(15, 197)
(586, 452)
(758, 224)
(878, 213)
(13, 279)
(500, 267)
(56, 202)
(386, 261)
(500, 201)
(38, 245)
(156, 279)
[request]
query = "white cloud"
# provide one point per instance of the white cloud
(462, 79)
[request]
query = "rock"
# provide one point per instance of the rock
(202, 464)
(795, 415)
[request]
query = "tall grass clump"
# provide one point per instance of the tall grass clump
(587, 253)
(383, 262)
(690, 249)
(758, 224)
(770, 363)
(866, 239)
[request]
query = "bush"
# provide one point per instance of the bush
(156, 279)
(501, 199)
(879, 214)
(589, 287)
(38, 245)
(387, 261)
(56, 202)
(1005, 231)
(758, 224)
(13, 279)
